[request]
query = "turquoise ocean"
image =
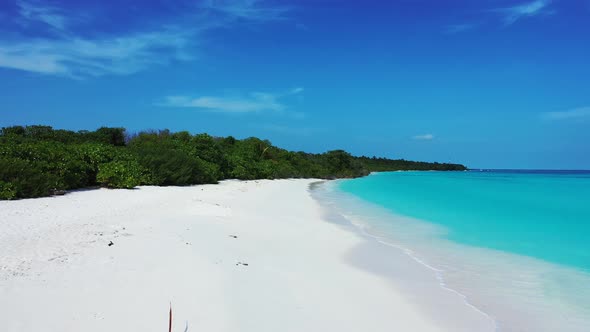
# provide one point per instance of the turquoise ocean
(515, 244)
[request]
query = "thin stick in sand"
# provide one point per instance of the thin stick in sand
(170, 319)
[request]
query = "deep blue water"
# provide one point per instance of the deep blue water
(538, 213)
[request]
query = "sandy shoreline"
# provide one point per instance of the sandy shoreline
(238, 256)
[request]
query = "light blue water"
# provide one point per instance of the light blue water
(514, 244)
(545, 215)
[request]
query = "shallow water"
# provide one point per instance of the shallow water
(515, 245)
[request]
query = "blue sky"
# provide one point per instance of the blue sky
(488, 83)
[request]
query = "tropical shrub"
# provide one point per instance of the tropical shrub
(26, 178)
(122, 174)
(7, 190)
(169, 163)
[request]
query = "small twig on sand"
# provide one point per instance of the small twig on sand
(170, 319)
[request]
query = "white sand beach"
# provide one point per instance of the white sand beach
(238, 256)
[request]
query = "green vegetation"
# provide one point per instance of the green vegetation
(383, 165)
(38, 161)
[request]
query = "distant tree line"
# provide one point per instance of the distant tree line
(375, 164)
(38, 161)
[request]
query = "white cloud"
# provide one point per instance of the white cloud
(253, 102)
(529, 9)
(72, 55)
(425, 137)
(78, 57)
(49, 15)
(509, 15)
(576, 113)
(256, 103)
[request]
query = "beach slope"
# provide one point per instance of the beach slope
(238, 256)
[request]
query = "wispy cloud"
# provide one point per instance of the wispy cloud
(425, 137)
(253, 10)
(79, 57)
(573, 114)
(512, 14)
(253, 102)
(256, 102)
(51, 16)
(509, 15)
(295, 91)
(72, 54)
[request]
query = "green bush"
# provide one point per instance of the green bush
(172, 167)
(171, 163)
(121, 174)
(7, 190)
(112, 136)
(50, 157)
(26, 178)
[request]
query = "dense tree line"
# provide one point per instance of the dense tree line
(375, 164)
(39, 161)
